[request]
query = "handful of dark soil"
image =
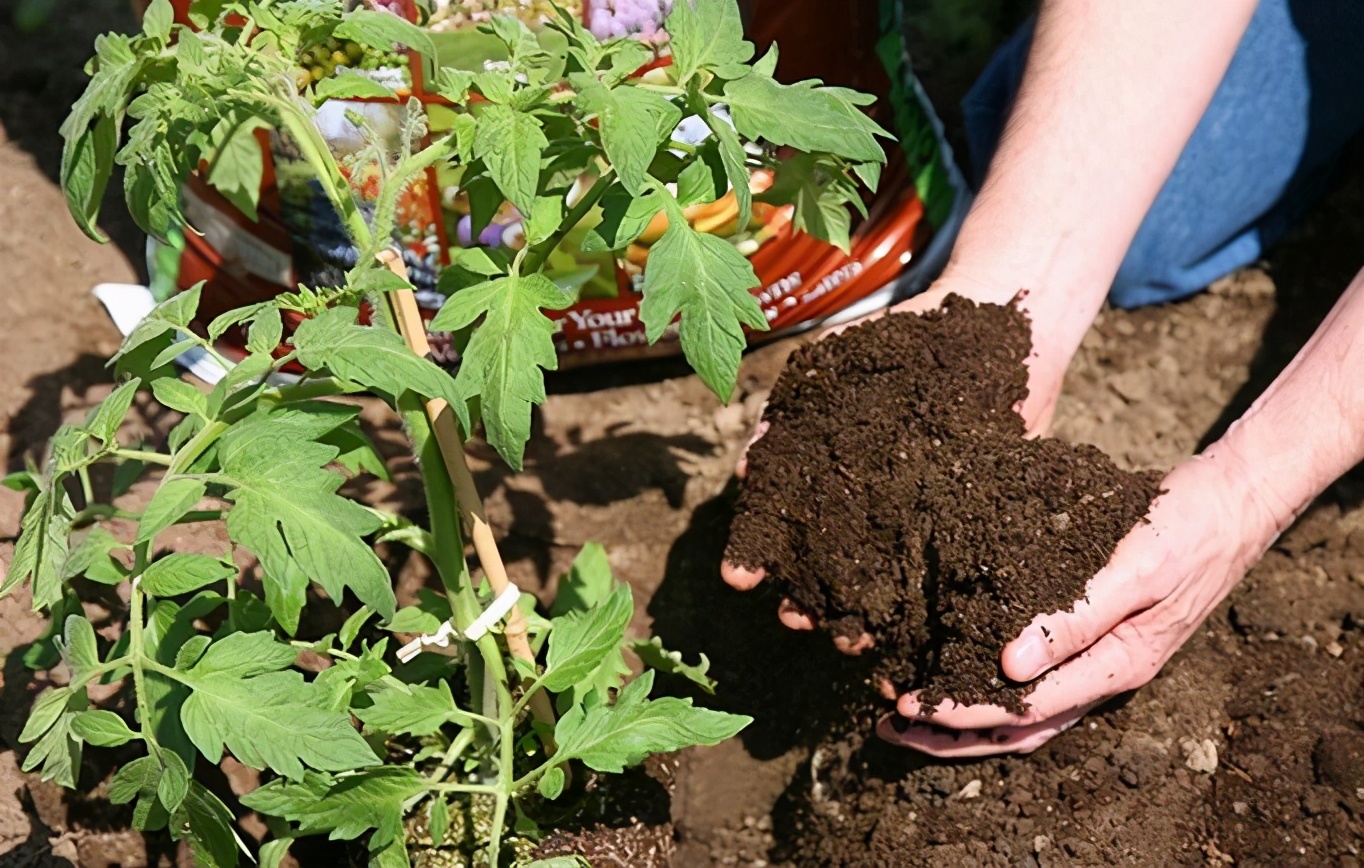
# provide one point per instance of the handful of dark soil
(894, 494)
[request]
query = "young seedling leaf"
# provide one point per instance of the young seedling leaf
(707, 35)
(101, 728)
(633, 123)
(238, 164)
(551, 784)
(610, 738)
(580, 641)
(206, 823)
(653, 655)
(268, 719)
(42, 549)
(82, 650)
(179, 573)
(624, 219)
(419, 711)
(803, 116)
(706, 280)
(346, 807)
(179, 395)
(172, 500)
(171, 315)
(587, 583)
(288, 514)
(373, 357)
(510, 143)
(384, 30)
(502, 364)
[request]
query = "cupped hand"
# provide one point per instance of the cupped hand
(1165, 577)
(1043, 390)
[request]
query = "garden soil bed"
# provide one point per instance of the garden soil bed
(641, 460)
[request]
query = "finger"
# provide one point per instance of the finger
(957, 744)
(741, 468)
(792, 617)
(1105, 670)
(1114, 594)
(887, 690)
(741, 578)
(854, 647)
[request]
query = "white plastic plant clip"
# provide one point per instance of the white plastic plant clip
(442, 638)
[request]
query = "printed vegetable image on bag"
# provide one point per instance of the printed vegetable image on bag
(881, 245)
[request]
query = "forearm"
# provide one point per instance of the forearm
(1307, 429)
(1111, 94)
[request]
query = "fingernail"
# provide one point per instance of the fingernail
(1030, 655)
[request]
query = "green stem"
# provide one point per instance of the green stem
(504, 780)
(482, 789)
(136, 659)
(143, 455)
(87, 490)
(675, 145)
(534, 775)
(452, 754)
(100, 512)
(526, 695)
(536, 258)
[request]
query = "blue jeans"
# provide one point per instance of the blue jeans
(1261, 155)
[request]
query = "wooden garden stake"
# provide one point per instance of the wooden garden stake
(413, 330)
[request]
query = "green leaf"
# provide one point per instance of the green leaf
(655, 656)
(41, 551)
(355, 451)
(50, 706)
(82, 650)
(707, 35)
(350, 85)
(174, 784)
(171, 315)
(587, 583)
(243, 655)
(272, 853)
(179, 395)
(157, 20)
(139, 780)
(802, 116)
(810, 185)
(419, 711)
(735, 163)
(510, 143)
(87, 162)
(268, 719)
(580, 641)
(346, 678)
(373, 357)
(411, 619)
(238, 162)
(206, 823)
(610, 738)
(224, 321)
(706, 280)
(624, 219)
(172, 500)
(384, 30)
(173, 352)
(180, 573)
(288, 514)
(551, 784)
(191, 651)
(267, 330)
(58, 751)
(438, 819)
(541, 223)
(90, 557)
(633, 123)
(351, 628)
(502, 363)
(698, 183)
(101, 728)
(345, 807)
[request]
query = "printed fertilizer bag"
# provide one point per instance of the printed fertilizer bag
(295, 236)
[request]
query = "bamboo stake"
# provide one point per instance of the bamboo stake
(413, 330)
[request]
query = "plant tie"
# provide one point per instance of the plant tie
(496, 611)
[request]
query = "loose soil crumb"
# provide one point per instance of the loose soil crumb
(895, 495)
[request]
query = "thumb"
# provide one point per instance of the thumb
(1115, 593)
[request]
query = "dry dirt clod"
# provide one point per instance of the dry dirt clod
(1200, 756)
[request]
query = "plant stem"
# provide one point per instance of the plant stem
(482, 789)
(87, 490)
(539, 252)
(452, 754)
(135, 657)
(145, 456)
(504, 776)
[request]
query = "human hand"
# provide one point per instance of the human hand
(1046, 368)
(1163, 580)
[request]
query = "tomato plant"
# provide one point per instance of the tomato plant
(206, 665)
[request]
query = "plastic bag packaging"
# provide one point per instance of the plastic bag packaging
(804, 282)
